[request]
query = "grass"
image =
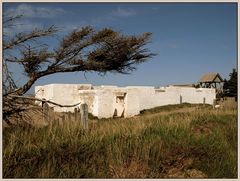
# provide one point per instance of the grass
(195, 143)
(172, 108)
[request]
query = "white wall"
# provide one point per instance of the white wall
(44, 92)
(102, 100)
(65, 94)
(105, 103)
(150, 97)
(132, 106)
(88, 97)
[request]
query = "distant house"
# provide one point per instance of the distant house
(211, 80)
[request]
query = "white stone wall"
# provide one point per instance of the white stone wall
(88, 97)
(103, 101)
(132, 106)
(44, 92)
(105, 104)
(65, 94)
(148, 97)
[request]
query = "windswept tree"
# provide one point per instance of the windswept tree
(83, 49)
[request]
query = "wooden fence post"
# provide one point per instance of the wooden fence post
(63, 119)
(45, 112)
(51, 115)
(56, 121)
(69, 116)
(204, 101)
(180, 99)
(84, 115)
(75, 114)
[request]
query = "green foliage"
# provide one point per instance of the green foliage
(230, 86)
(147, 146)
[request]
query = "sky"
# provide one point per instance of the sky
(190, 39)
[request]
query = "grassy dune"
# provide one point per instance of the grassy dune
(186, 141)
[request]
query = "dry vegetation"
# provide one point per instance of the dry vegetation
(181, 141)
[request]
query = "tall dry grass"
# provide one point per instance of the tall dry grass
(195, 143)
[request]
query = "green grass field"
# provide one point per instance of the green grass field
(178, 141)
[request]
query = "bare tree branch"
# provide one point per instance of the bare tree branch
(11, 19)
(22, 37)
(43, 100)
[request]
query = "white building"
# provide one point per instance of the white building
(110, 101)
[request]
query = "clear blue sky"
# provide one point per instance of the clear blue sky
(190, 38)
